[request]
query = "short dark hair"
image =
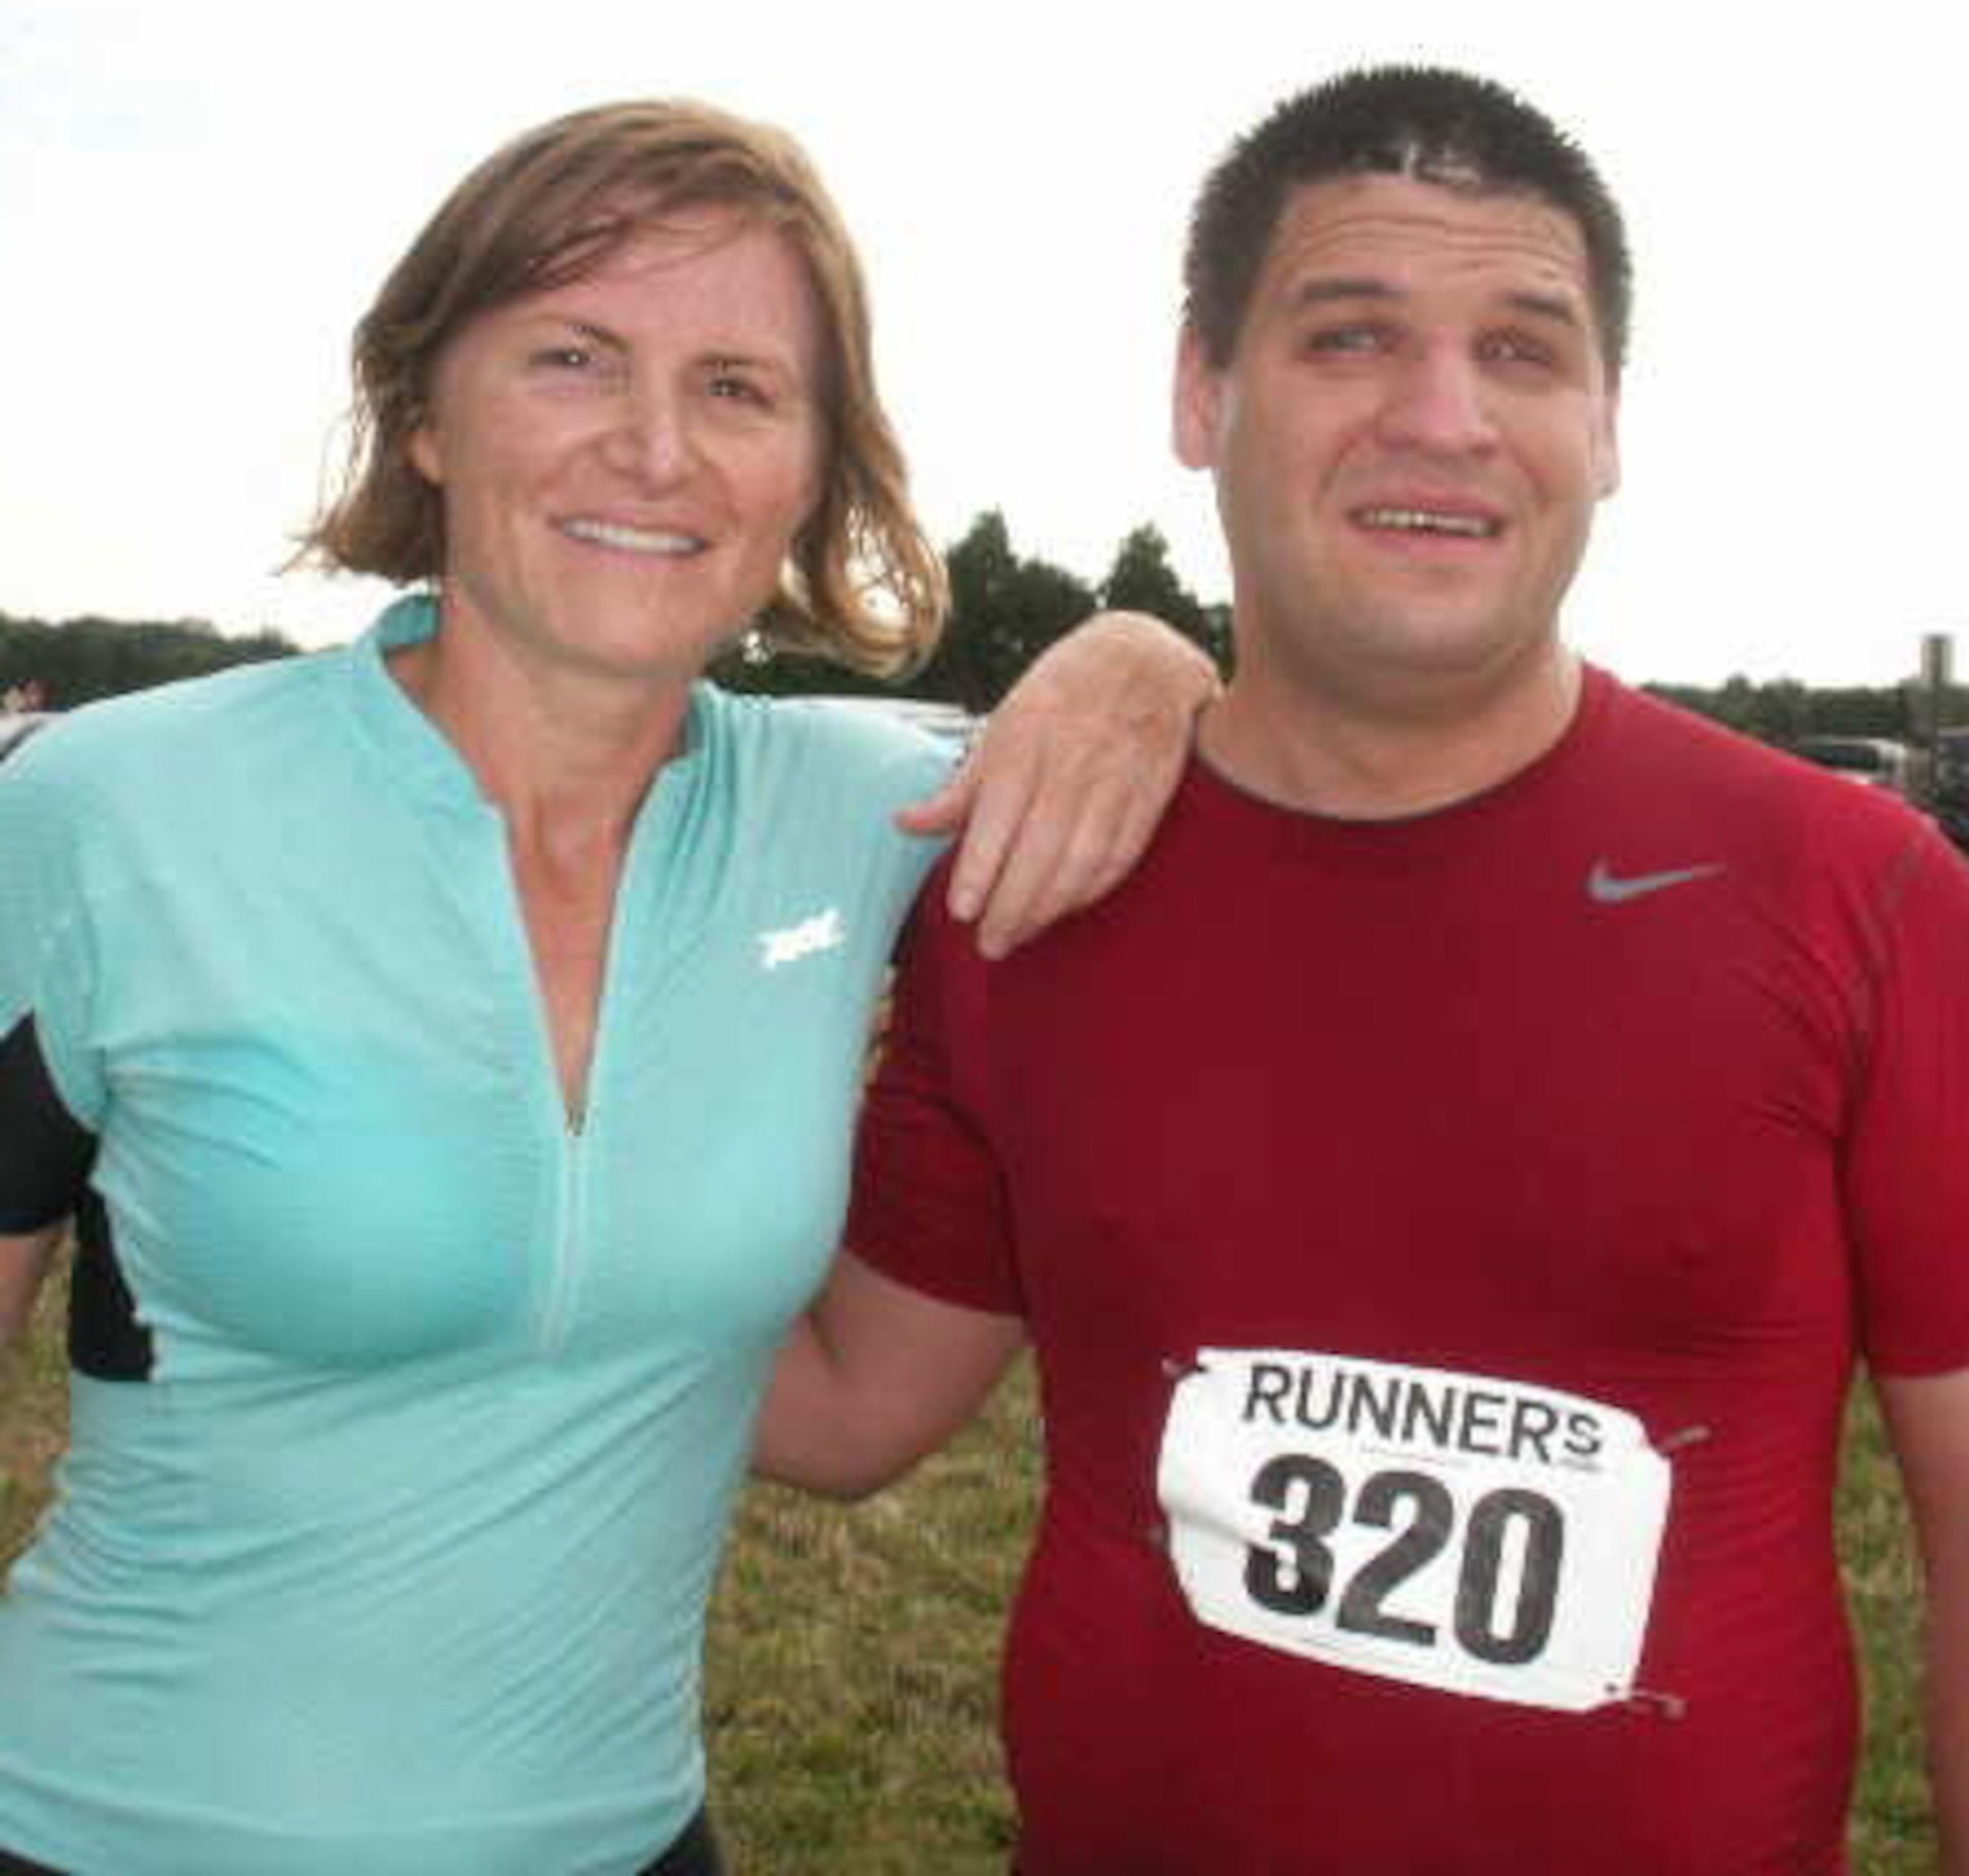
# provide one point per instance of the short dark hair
(1427, 122)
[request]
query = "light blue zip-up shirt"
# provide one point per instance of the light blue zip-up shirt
(395, 1558)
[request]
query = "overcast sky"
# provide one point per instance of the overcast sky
(197, 200)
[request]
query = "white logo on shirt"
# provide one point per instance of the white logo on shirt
(1606, 887)
(822, 932)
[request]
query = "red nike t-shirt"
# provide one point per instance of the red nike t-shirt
(1626, 1095)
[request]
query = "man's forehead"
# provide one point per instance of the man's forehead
(1397, 231)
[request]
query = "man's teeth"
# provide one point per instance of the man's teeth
(635, 540)
(1422, 521)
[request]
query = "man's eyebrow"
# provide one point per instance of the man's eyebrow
(1320, 291)
(1552, 307)
(1557, 307)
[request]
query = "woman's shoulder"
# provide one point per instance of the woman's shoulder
(180, 718)
(894, 748)
(165, 755)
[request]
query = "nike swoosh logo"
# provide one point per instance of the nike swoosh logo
(1604, 886)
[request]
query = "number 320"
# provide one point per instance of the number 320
(1421, 1514)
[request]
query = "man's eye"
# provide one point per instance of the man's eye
(1516, 349)
(563, 357)
(1340, 341)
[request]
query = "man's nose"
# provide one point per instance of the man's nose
(1438, 401)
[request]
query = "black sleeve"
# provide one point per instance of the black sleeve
(44, 1154)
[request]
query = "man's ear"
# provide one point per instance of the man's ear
(1199, 396)
(1606, 445)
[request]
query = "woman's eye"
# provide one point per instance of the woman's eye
(563, 357)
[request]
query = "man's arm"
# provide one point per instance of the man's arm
(1069, 781)
(1928, 1420)
(873, 1377)
(24, 1264)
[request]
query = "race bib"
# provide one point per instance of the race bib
(1480, 1536)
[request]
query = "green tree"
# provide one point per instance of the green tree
(1141, 580)
(759, 673)
(1004, 611)
(82, 659)
(1782, 710)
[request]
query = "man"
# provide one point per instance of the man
(1448, 1187)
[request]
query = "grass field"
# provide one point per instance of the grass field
(852, 1675)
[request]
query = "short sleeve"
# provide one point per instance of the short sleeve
(1906, 1162)
(840, 774)
(931, 1208)
(50, 1086)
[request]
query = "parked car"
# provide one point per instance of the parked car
(17, 726)
(1951, 761)
(1948, 792)
(1875, 762)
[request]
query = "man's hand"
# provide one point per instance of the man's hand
(1927, 1420)
(23, 1267)
(1069, 778)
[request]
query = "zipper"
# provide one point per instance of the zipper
(554, 1318)
(569, 1215)
(577, 1131)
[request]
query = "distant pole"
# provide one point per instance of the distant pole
(1932, 701)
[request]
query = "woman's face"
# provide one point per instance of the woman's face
(625, 460)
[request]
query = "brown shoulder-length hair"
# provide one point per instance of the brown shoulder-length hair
(861, 584)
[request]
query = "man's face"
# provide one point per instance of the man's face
(1409, 438)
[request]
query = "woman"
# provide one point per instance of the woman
(447, 1048)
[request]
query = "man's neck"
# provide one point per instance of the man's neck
(1387, 759)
